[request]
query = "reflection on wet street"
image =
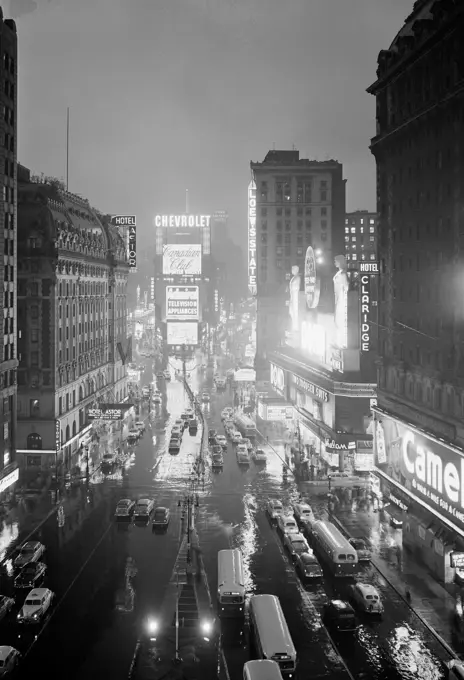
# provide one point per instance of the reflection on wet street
(110, 578)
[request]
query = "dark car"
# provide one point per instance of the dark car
(340, 616)
(307, 566)
(216, 449)
(161, 517)
(6, 605)
(212, 436)
(31, 575)
(193, 426)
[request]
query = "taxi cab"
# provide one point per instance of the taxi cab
(366, 598)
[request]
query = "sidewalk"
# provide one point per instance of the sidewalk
(430, 600)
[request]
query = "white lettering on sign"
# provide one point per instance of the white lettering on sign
(57, 435)
(180, 221)
(132, 242)
(252, 285)
(277, 378)
(372, 267)
(332, 445)
(182, 260)
(182, 302)
(365, 312)
(307, 386)
(123, 220)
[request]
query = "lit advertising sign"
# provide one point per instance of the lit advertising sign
(181, 221)
(363, 462)
(220, 216)
(365, 313)
(337, 359)
(252, 286)
(123, 220)
(310, 388)
(152, 288)
(57, 436)
(181, 260)
(371, 267)
(182, 302)
(132, 239)
(245, 375)
(430, 470)
(312, 285)
(108, 412)
(278, 378)
(314, 340)
(279, 412)
(182, 333)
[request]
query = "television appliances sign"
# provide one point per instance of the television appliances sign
(181, 260)
(180, 221)
(252, 286)
(278, 378)
(431, 470)
(182, 302)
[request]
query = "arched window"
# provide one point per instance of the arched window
(74, 429)
(68, 433)
(81, 393)
(34, 441)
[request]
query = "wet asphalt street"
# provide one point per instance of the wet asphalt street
(109, 578)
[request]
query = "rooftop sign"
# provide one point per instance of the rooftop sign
(179, 221)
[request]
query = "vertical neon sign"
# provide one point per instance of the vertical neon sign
(252, 287)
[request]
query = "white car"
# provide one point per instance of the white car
(296, 544)
(9, 659)
(241, 448)
(287, 524)
(227, 413)
(31, 551)
(177, 431)
(274, 509)
(143, 509)
(221, 440)
(303, 514)
(140, 425)
(243, 457)
(248, 444)
(259, 456)
(366, 598)
(36, 605)
(236, 437)
(205, 398)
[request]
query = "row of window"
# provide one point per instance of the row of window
(353, 230)
(68, 288)
(354, 241)
(363, 256)
(288, 225)
(287, 212)
(70, 354)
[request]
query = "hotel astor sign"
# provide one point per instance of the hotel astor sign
(310, 388)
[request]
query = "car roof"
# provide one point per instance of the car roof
(37, 592)
(275, 501)
(144, 500)
(125, 501)
(297, 537)
(287, 518)
(303, 506)
(366, 588)
(5, 650)
(161, 508)
(340, 604)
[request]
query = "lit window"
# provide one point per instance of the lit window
(347, 238)
(353, 247)
(353, 238)
(361, 221)
(361, 229)
(346, 221)
(355, 257)
(353, 230)
(371, 229)
(363, 256)
(371, 238)
(348, 256)
(371, 221)
(372, 256)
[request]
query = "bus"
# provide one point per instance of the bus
(231, 584)
(334, 549)
(270, 633)
(261, 670)
(246, 426)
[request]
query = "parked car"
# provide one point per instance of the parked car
(274, 509)
(177, 431)
(9, 659)
(124, 509)
(193, 427)
(222, 441)
(259, 456)
(205, 398)
(286, 524)
(216, 449)
(307, 566)
(36, 605)
(140, 425)
(366, 598)
(296, 544)
(339, 616)
(362, 549)
(243, 457)
(161, 517)
(212, 436)
(143, 509)
(236, 437)
(304, 514)
(174, 445)
(31, 551)
(7, 603)
(217, 461)
(32, 575)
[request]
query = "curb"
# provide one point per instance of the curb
(431, 630)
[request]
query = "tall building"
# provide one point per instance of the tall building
(419, 151)
(72, 338)
(360, 238)
(8, 355)
(299, 203)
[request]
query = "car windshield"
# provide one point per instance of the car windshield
(299, 545)
(142, 503)
(123, 504)
(160, 514)
(308, 559)
(27, 550)
(29, 568)
(33, 603)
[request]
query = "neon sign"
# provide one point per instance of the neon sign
(252, 287)
(132, 238)
(312, 284)
(365, 312)
(182, 221)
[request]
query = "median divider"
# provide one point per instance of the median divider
(204, 426)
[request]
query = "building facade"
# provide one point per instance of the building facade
(72, 337)
(419, 151)
(360, 238)
(8, 352)
(299, 203)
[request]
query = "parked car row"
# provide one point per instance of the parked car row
(142, 510)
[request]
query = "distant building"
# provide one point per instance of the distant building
(420, 168)
(360, 237)
(299, 203)
(8, 351)
(72, 326)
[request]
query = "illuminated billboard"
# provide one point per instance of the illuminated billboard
(429, 469)
(182, 259)
(180, 221)
(132, 242)
(182, 333)
(312, 282)
(252, 287)
(182, 302)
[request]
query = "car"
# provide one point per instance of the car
(259, 456)
(174, 445)
(243, 457)
(31, 575)
(157, 399)
(133, 435)
(140, 425)
(31, 551)
(124, 509)
(274, 508)
(109, 462)
(286, 524)
(217, 460)
(229, 427)
(177, 431)
(307, 566)
(338, 615)
(304, 514)
(9, 659)
(205, 398)
(216, 449)
(185, 417)
(193, 426)
(143, 509)
(221, 383)
(7, 603)
(455, 669)
(236, 437)
(222, 441)
(35, 606)
(362, 549)
(179, 423)
(227, 413)
(248, 444)
(160, 375)
(161, 517)
(212, 436)
(366, 598)
(296, 544)
(241, 448)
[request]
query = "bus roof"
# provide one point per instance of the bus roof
(263, 669)
(333, 536)
(230, 568)
(273, 630)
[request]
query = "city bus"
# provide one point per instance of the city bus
(270, 632)
(334, 549)
(246, 426)
(261, 670)
(231, 584)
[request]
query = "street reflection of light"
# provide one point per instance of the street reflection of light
(8, 564)
(154, 440)
(246, 539)
(9, 534)
(411, 655)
